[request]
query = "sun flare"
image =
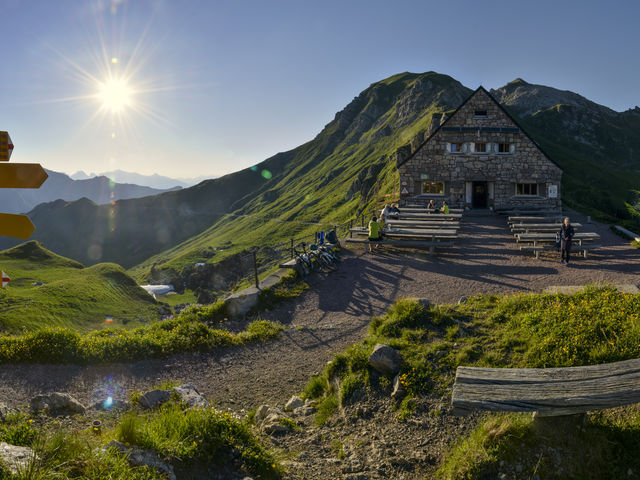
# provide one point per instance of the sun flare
(115, 95)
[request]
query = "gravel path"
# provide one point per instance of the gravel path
(334, 314)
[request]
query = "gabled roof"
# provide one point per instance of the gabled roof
(480, 89)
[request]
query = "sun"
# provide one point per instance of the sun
(115, 94)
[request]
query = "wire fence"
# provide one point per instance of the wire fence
(262, 260)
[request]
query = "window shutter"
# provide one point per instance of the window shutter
(512, 148)
(448, 147)
(492, 147)
(472, 147)
(465, 147)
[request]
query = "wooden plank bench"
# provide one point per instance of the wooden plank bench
(530, 219)
(405, 243)
(574, 248)
(539, 227)
(538, 238)
(548, 391)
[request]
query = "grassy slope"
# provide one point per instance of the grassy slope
(307, 190)
(72, 296)
(592, 327)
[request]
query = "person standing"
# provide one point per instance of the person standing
(375, 230)
(566, 237)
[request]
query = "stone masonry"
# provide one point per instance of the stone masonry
(524, 163)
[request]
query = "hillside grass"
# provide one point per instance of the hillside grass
(68, 295)
(192, 440)
(598, 325)
(311, 192)
(196, 329)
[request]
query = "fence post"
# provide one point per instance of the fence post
(292, 254)
(255, 268)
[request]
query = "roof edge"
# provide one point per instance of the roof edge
(509, 116)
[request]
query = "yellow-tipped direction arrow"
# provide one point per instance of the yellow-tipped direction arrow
(21, 175)
(16, 226)
(6, 147)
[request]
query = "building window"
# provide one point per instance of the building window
(433, 188)
(457, 147)
(480, 113)
(504, 148)
(526, 189)
(480, 147)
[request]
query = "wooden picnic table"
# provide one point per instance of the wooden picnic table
(553, 219)
(428, 216)
(448, 224)
(404, 231)
(539, 227)
(427, 210)
(537, 238)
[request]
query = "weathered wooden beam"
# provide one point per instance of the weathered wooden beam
(549, 391)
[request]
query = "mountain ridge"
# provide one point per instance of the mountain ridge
(59, 185)
(347, 167)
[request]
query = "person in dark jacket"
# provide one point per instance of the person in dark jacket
(566, 236)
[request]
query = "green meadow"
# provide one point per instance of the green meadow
(47, 290)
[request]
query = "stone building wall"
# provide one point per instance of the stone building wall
(502, 171)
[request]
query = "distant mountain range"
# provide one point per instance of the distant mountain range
(154, 181)
(347, 167)
(100, 190)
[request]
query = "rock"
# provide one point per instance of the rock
(240, 303)
(462, 300)
(424, 302)
(398, 389)
(293, 403)
(56, 404)
(191, 396)
(154, 398)
(304, 411)
(385, 359)
(261, 414)
(4, 411)
(15, 458)
(139, 457)
(275, 429)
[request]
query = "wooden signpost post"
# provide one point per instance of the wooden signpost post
(17, 175)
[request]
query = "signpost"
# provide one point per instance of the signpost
(16, 226)
(6, 147)
(17, 175)
(5, 279)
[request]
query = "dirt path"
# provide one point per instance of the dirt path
(334, 314)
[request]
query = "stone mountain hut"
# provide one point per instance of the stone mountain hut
(479, 157)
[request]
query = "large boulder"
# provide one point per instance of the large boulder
(56, 404)
(139, 457)
(154, 398)
(385, 359)
(15, 458)
(190, 395)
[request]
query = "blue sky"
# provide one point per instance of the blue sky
(218, 86)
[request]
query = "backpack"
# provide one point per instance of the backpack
(331, 237)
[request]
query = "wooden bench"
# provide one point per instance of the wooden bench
(448, 224)
(405, 243)
(538, 248)
(548, 391)
(539, 227)
(541, 238)
(529, 219)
